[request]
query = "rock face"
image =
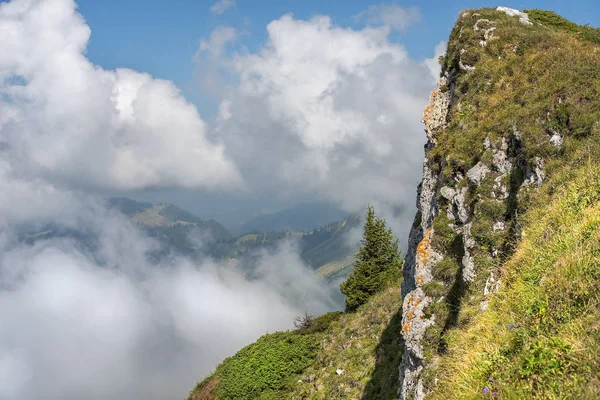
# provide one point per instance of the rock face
(453, 209)
(523, 17)
(421, 257)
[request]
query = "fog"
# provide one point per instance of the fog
(107, 324)
(318, 112)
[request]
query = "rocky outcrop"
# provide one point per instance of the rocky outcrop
(452, 212)
(523, 17)
(421, 257)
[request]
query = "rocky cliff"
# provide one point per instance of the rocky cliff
(516, 102)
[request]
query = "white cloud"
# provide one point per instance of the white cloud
(318, 109)
(390, 15)
(219, 38)
(89, 316)
(433, 63)
(71, 121)
(104, 323)
(328, 110)
(221, 6)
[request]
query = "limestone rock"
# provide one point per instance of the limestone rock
(478, 173)
(500, 159)
(487, 32)
(536, 175)
(436, 111)
(499, 226)
(499, 189)
(461, 214)
(523, 17)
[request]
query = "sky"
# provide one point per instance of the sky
(164, 41)
(146, 35)
(209, 103)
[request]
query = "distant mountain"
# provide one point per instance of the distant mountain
(180, 230)
(325, 249)
(299, 218)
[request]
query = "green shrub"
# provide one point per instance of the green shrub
(266, 367)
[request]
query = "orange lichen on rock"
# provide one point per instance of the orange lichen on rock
(423, 247)
(406, 328)
(428, 112)
(410, 315)
(419, 279)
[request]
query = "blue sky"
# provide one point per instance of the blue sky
(161, 38)
(318, 114)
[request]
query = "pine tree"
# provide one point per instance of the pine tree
(377, 262)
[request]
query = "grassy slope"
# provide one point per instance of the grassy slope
(551, 291)
(366, 346)
(327, 245)
(537, 79)
(267, 368)
(302, 364)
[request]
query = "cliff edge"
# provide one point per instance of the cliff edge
(516, 111)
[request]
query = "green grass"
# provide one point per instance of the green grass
(267, 368)
(553, 20)
(366, 345)
(302, 364)
(551, 292)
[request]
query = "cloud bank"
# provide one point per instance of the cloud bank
(107, 324)
(71, 121)
(327, 110)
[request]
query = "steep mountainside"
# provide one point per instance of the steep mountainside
(501, 293)
(327, 249)
(511, 131)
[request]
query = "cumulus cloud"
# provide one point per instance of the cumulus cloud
(328, 110)
(68, 120)
(86, 314)
(390, 15)
(433, 63)
(221, 6)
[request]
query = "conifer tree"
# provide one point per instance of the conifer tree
(377, 262)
